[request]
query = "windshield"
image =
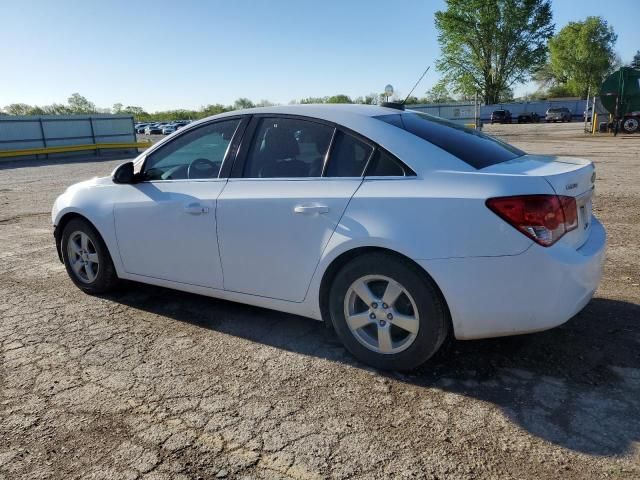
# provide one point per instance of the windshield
(469, 145)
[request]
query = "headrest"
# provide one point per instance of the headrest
(279, 143)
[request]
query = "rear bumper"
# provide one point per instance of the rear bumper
(536, 290)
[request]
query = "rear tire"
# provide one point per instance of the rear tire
(400, 335)
(86, 258)
(630, 125)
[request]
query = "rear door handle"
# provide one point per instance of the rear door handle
(195, 209)
(311, 209)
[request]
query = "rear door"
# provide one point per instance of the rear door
(278, 213)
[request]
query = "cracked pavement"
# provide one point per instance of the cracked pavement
(151, 383)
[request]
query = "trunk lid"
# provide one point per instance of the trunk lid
(573, 177)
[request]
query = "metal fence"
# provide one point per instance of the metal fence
(65, 135)
(465, 112)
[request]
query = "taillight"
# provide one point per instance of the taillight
(543, 218)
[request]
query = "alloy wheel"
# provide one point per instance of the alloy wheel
(83, 257)
(381, 314)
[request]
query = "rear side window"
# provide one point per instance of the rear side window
(471, 146)
(384, 164)
(348, 157)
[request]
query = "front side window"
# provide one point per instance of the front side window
(287, 148)
(197, 154)
(348, 157)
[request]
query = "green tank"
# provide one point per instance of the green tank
(620, 95)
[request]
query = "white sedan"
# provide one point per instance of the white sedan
(396, 227)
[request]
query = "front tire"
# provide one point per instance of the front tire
(86, 258)
(387, 312)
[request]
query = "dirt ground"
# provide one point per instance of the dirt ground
(151, 383)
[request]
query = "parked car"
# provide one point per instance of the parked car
(153, 129)
(170, 128)
(140, 127)
(442, 231)
(500, 116)
(528, 117)
(561, 114)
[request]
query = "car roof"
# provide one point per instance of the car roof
(326, 111)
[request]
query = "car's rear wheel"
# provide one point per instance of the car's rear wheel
(86, 257)
(387, 312)
(630, 125)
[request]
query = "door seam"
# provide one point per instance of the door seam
(215, 216)
(315, 270)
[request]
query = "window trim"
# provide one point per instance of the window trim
(241, 158)
(407, 171)
(236, 168)
(235, 140)
(344, 131)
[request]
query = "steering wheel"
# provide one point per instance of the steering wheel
(202, 168)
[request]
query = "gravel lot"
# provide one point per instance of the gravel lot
(151, 383)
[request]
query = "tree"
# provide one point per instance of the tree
(439, 93)
(54, 109)
(370, 99)
(489, 45)
(209, 110)
(264, 103)
(117, 108)
(18, 109)
(242, 103)
(340, 98)
(79, 104)
(581, 55)
(635, 63)
(133, 110)
(314, 100)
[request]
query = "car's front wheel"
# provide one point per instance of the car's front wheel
(86, 257)
(387, 312)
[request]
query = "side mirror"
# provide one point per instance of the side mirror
(123, 173)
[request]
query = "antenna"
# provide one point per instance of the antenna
(414, 87)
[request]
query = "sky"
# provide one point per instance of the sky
(188, 53)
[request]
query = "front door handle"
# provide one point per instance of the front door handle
(195, 209)
(311, 209)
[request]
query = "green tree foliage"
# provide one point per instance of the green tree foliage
(489, 45)
(581, 55)
(243, 103)
(18, 109)
(117, 108)
(339, 99)
(635, 63)
(371, 99)
(79, 104)
(439, 93)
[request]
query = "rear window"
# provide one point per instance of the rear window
(471, 146)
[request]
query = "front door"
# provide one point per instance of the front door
(166, 224)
